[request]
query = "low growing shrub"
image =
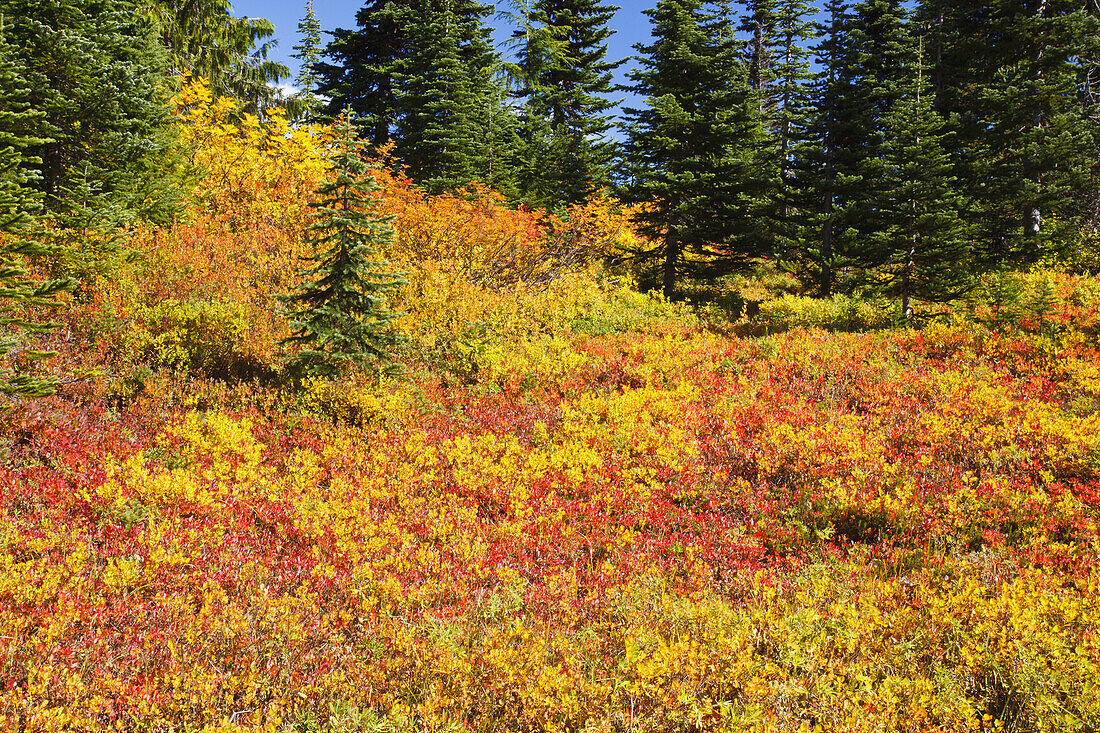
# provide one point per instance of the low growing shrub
(838, 313)
(209, 337)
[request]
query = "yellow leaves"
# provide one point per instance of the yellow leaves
(122, 573)
(217, 435)
(1082, 374)
(252, 169)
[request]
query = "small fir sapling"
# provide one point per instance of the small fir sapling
(340, 315)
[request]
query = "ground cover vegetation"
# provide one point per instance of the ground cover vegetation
(369, 423)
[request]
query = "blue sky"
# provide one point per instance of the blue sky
(630, 24)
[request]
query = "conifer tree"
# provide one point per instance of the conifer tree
(689, 153)
(565, 80)
(443, 84)
(361, 75)
(18, 203)
(340, 316)
(502, 154)
(785, 115)
(926, 245)
(841, 169)
(98, 73)
(308, 52)
(880, 53)
(424, 74)
(1011, 77)
(759, 24)
(819, 190)
(88, 233)
(204, 39)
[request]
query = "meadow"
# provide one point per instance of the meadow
(577, 508)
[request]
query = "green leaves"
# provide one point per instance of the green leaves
(689, 156)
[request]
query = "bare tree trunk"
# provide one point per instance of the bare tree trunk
(672, 257)
(825, 273)
(907, 276)
(1033, 219)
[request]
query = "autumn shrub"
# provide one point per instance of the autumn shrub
(580, 508)
(650, 529)
(204, 337)
(476, 238)
(1044, 301)
(620, 308)
(360, 401)
(837, 313)
(251, 173)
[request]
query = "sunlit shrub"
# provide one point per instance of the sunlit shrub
(622, 309)
(354, 403)
(838, 313)
(203, 337)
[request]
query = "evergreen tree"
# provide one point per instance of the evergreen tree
(785, 115)
(308, 52)
(443, 81)
(204, 39)
(1010, 77)
(97, 72)
(689, 153)
(820, 189)
(88, 235)
(565, 80)
(423, 73)
(759, 24)
(841, 169)
(364, 63)
(339, 315)
(925, 241)
(502, 154)
(880, 51)
(18, 202)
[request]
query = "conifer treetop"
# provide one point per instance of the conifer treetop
(340, 316)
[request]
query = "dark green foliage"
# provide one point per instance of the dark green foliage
(18, 120)
(1001, 291)
(304, 103)
(98, 75)
(781, 33)
(1013, 79)
(361, 75)
(423, 73)
(339, 315)
(204, 39)
(924, 247)
(88, 236)
(842, 187)
(564, 82)
(17, 204)
(1041, 304)
(690, 153)
(444, 94)
(759, 25)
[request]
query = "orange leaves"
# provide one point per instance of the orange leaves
(579, 510)
(471, 234)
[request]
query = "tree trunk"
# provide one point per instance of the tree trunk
(672, 257)
(825, 273)
(907, 278)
